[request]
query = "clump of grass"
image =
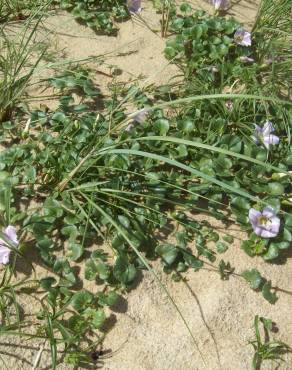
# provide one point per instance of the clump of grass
(17, 10)
(272, 28)
(21, 53)
(266, 349)
(101, 16)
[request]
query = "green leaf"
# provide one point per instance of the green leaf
(124, 271)
(124, 221)
(75, 251)
(213, 236)
(59, 117)
(70, 279)
(254, 247)
(90, 270)
(77, 323)
(30, 175)
(182, 150)
(181, 267)
(3, 176)
(167, 252)
(52, 208)
(275, 203)
(240, 204)
(187, 125)
(192, 261)
(275, 188)
(70, 231)
(97, 317)
(280, 245)
(81, 300)
(162, 125)
(46, 283)
(287, 235)
(170, 52)
(253, 277)
(118, 242)
(182, 239)
(288, 220)
(185, 8)
(99, 254)
(268, 323)
(103, 271)
(108, 299)
(80, 108)
(225, 270)
(272, 253)
(222, 50)
(221, 247)
(61, 264)
(228, 238)
(267, 294)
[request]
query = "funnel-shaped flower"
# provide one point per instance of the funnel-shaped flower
(220, 4)
(229, 105)
(134, 6)
(141, 116)
(242, 37)
(246, 59)
(130, 127)
(10, 233)
(264, 135)
(265, 224)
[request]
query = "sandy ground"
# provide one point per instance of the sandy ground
(148, 333)
(137, 51)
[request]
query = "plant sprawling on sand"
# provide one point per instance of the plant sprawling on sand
(89, 182)
(98, 15)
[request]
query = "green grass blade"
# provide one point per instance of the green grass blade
(146, 264)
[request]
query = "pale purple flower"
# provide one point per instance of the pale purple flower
(141, 116)
(269, 61)
(246, 59)
(10, 234)
(220, 4)
(134, 6)
(265, 224)
(242, 37)
(130, 127)
(265, 136)
(229, 105)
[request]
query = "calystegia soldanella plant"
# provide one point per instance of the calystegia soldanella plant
(104, 184)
